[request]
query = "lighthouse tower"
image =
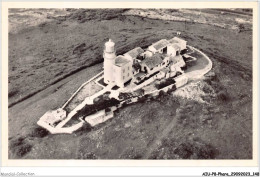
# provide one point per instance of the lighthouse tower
(109, 61)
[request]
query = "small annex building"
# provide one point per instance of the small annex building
(122, 70)
(151, 63)
(173, 49)
(135, 54)
(159, 47)
(182, 43)
(154, 63)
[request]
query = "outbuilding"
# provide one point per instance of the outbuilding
(159, 47)
(181, 42)
(134, 54)
(122, 70)
(152, 64)
(173, 49)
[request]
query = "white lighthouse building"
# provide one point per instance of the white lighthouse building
(117, 69)
(109, 61)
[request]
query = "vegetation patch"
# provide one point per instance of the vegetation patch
(131, 153)
(101, 103)
(20, 147)
(83, 15)
(190, 149)
(223, 95)
(84, 129)
(187, 114)
(165, 83)
(195, 150)
(39, 132)
(89, 155)
(220, 91)
(12, 93)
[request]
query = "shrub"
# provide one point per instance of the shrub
(89, 155)
(241, 27)
(207, 89)
(142, 99)
(223, 96)
(195, 150)
(140, 91)
(98, 105)
(83, 15)
(107, 110)
(17, 142)
(84, 129)
(131, 153)
(39, 132)
(125, 96)
(23, 149)
(20, 147)
(165, 83)
(12, 93)
(184, 150)
(206, 152)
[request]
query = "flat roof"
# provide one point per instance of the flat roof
(135, 52)
(176, 40)
(176, 46)
(121, 61)
(172, 41)
(152, 61)
(160, 44)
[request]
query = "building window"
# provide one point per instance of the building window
(123, 70)
(128, 68)
(128, 74)
(123, 77)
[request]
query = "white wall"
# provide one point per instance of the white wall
(183, 45)
(152, 49)
(147, 54)
(123, 74)
(109, 61)
(117, 75)
(179, 64)
(127, 72)
(171, 51)
(129, 57)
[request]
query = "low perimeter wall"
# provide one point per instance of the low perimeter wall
(55, 130)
